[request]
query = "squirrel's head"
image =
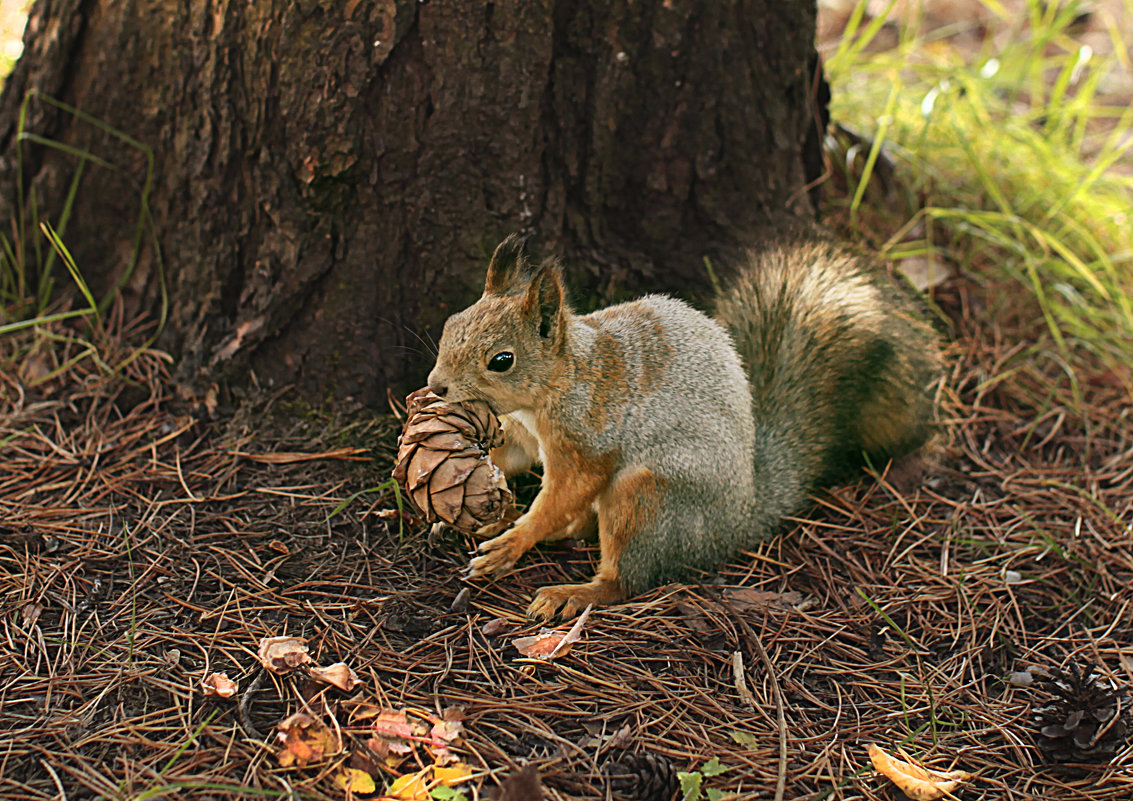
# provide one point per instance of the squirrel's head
(508, 346)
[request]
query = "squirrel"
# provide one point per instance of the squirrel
(686, 437)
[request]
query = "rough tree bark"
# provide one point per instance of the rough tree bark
(330, 176)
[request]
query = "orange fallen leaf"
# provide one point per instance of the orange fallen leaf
(539, 645)
(305, 740)
(339, 674)
(917, 782)
(283, 654)
(549, 643)
(354, 781)
(218, 685)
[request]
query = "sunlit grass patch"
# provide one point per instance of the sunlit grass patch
(1015, 162)
(13, 15)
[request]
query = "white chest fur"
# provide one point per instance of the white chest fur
(526, 419)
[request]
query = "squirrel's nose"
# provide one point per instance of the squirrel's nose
(437, 386)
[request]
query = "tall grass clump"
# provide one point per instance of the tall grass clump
(1016, 159)
(31, 296)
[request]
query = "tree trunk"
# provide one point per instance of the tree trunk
(330, 177)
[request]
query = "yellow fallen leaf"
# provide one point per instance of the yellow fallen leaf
(411, 787)
(917, 782)
(452, 775)
(354, 781)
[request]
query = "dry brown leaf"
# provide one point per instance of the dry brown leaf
(283, 654)
(395, 723)
(361, 710)
(495, 627)
(30, 612)
(521, 785)
(339, 674)
(747, 599)
(549, 643)
(379, 747)
(621, 738)
(218, 685)
(35, 368)
(394, 732)
(917, 782)
(925, 273)
(445, 733)
(305, 740)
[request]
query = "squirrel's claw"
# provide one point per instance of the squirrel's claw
(544, 606)
(495, 529)
(567, 600)
(496, 556)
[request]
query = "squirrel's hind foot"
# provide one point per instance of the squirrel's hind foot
(567, 600)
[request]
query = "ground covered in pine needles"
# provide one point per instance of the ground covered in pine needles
(148, 540)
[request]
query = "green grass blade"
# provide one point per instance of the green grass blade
(72, 268)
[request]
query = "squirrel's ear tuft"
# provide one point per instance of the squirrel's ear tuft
(545, 302)
(509, 270)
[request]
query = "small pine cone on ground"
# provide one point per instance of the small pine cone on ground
(443, 465)
(1086, 718)
(643, 777)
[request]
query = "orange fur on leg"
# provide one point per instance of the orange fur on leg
(627, 507)
(570, 486)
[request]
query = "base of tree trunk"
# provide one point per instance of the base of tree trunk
(330, 178)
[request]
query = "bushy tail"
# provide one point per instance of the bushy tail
(843, 367)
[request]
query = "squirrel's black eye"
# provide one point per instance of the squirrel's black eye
(501, 362)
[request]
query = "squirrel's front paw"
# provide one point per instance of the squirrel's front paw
(498, 554)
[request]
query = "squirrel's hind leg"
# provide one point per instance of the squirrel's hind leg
(625, 509)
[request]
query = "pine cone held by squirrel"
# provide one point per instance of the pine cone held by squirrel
(443, 465)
